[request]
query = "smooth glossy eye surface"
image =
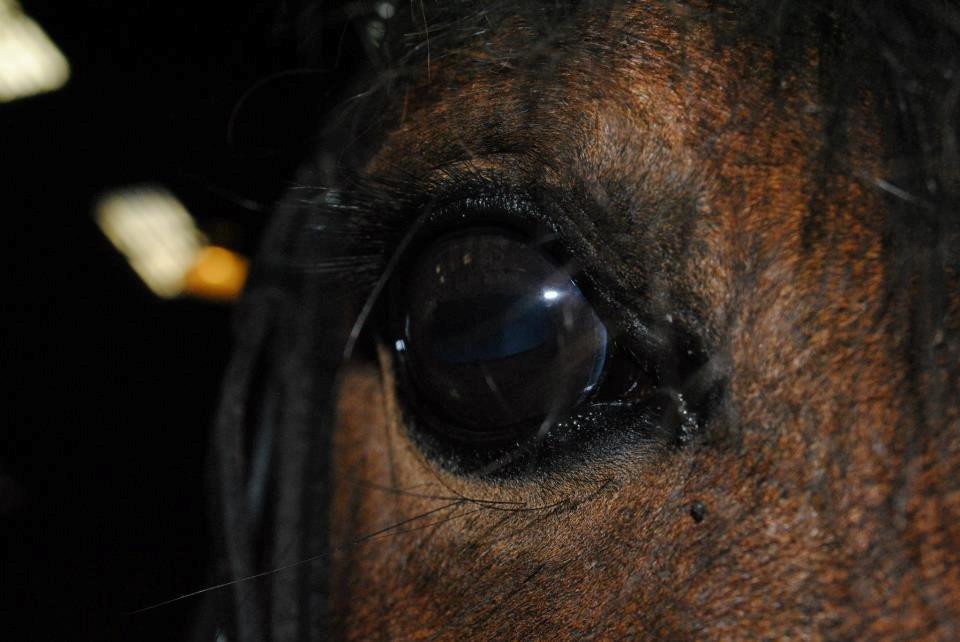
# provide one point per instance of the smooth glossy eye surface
(495, 337)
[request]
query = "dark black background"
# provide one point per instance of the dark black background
(110, 391)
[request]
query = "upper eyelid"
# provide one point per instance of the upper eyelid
(521, 186)
(385, 207)
(514, 181)
(463, 185)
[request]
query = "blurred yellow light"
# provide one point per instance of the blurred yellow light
(155, 232)
(29, 61)
(217, 274)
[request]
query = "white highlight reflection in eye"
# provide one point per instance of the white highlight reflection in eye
(550, 295)
(400, 345)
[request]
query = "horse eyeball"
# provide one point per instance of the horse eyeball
(494, 338)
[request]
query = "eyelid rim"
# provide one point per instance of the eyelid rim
(486, 193)
(461, 197)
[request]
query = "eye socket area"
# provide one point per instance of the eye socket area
(509, 362)
(495, 339)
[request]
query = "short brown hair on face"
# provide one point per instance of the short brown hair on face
(772, 187)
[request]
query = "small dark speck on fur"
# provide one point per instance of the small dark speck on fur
(698, 511)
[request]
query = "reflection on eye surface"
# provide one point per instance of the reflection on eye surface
(703, 432)
(497, 337)
(503, 359)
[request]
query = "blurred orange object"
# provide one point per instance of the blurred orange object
(217, 274)
(164, 246)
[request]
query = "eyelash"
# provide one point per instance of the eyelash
(380, 224)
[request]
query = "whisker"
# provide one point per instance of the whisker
(569, 500)
(371, 301)
(422, 526)
(229, 583)
(298, 563)
(257, 86)
(392, 527)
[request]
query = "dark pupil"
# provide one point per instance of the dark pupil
(496, 337)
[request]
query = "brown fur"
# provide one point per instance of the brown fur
(828, 513)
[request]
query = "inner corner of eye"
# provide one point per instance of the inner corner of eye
(492, 336)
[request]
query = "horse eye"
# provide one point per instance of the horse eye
(493, 339)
